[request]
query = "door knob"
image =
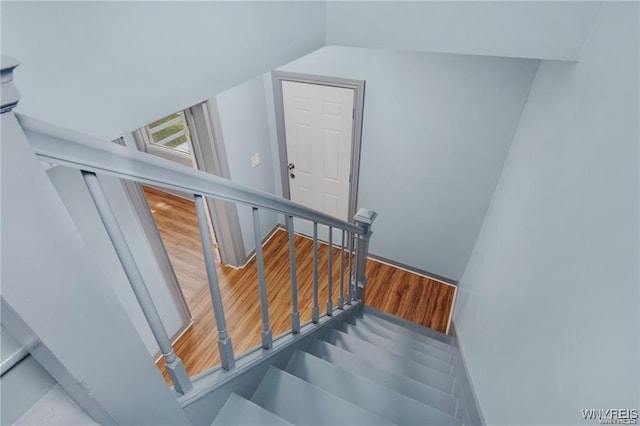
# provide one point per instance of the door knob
(291, 166)
(292, 176)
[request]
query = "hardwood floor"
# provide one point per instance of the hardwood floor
(396, 291)
(410, 296)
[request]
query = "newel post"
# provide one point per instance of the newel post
(363, 218)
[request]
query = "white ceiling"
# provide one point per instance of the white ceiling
(523, 29)
(105, 68)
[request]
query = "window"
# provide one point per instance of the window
(170, 133)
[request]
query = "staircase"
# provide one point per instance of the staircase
(350, 365)
(366, 370)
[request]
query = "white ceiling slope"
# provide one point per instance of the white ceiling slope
(104, 68)
(530, 29)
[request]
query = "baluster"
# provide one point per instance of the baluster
(350, 275)
(330, 275)
(267, 339)
(365, 219)
(315, 311)
(340, 300)
(295, 314)
(173, 364)
(225, 347)
(356, 260)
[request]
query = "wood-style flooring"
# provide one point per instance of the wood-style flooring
(414, 297)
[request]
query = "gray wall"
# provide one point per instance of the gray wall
(547, 311)
(435, 133)
(57, 300)
(493, 28)
(71, 188)
(83, 61)
(246, 131)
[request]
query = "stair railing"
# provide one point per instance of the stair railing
(93, 156)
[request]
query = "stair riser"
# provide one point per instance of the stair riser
(375, 321)
(398, 348)
(402, 384)
(365, 393)
(302, 403)
(393, 362)
(239, 411)
(433, 347)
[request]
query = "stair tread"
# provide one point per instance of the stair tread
(365, 393)
(419, 391)
(302, 403)
(430, 346)
(391, 361)
(241, 411)
(399, 348)
(407, 324)
(420, 337)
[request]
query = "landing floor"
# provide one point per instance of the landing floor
(408, 295)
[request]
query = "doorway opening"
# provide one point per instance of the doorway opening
(170, 138)
(192, 137)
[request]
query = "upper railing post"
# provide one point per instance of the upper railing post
(295, 313)
(315, 310)
(267, 338)
(365, 219)
(341, 292)
(350, 275)
(330, 274)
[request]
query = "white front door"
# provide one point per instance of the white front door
(319, 133)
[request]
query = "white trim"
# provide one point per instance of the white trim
(386, 263)
(338, 246)
(170, 154)
(273, 232)
(163, 142)
(13, 359)
(453, 305)
(209, 155)
(455, 291)
(140, 205)
(165, 124)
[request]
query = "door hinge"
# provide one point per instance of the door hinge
(353, 113)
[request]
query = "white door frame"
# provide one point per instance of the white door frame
(208, 154)
(356, 138)
(138, 201)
